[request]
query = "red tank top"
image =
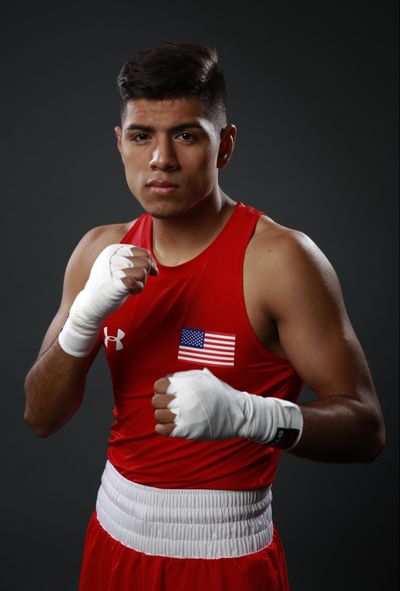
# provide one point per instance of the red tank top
(191, 316)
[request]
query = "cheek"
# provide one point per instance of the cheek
(134, 168)
(202, 166)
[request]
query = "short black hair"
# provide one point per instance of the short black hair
(175, 70)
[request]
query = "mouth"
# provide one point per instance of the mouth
(161, 187)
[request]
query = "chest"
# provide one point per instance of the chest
(210, 316)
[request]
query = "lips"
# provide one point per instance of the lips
(161, 188)
(162, 184)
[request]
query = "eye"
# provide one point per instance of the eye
(140, 137)
(186, 136)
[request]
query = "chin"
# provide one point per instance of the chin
(161, 214)
(162, 210)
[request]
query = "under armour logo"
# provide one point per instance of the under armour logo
(117, 340)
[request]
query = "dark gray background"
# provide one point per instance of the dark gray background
(313, 91)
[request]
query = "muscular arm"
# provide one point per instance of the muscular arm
(295, 293)
(55, 384)
(303, 295)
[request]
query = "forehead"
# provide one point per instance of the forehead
(165, 113)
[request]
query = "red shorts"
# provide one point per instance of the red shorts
(108, 565)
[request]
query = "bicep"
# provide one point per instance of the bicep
(314, 328)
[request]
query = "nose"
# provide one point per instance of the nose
(163, 156)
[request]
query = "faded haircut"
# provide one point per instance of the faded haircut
(175, 70)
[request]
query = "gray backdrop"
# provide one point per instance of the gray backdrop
(312, 89)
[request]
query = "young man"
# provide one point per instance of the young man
(212, 316)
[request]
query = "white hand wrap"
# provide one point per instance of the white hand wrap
(207, 408)
(103, 293)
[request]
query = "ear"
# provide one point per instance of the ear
(228, 138)
(118, 135)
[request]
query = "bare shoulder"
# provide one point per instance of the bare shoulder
(278, 240)
(287, 264)
(273, 245)
(86, 252)
(96, 239)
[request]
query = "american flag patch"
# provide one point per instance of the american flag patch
(208, 348)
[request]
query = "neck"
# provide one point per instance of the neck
(179, 239)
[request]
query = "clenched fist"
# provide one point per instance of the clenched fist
(119, 271)
(196, 404)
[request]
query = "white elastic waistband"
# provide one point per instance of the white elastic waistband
(184, 523)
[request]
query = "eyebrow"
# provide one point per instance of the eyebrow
(175, 128)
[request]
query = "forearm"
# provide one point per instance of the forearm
(340, 429)
(54, 389)
(197, 405)
(55, 384)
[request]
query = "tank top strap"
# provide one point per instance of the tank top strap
(140, 234)
(238, 230)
